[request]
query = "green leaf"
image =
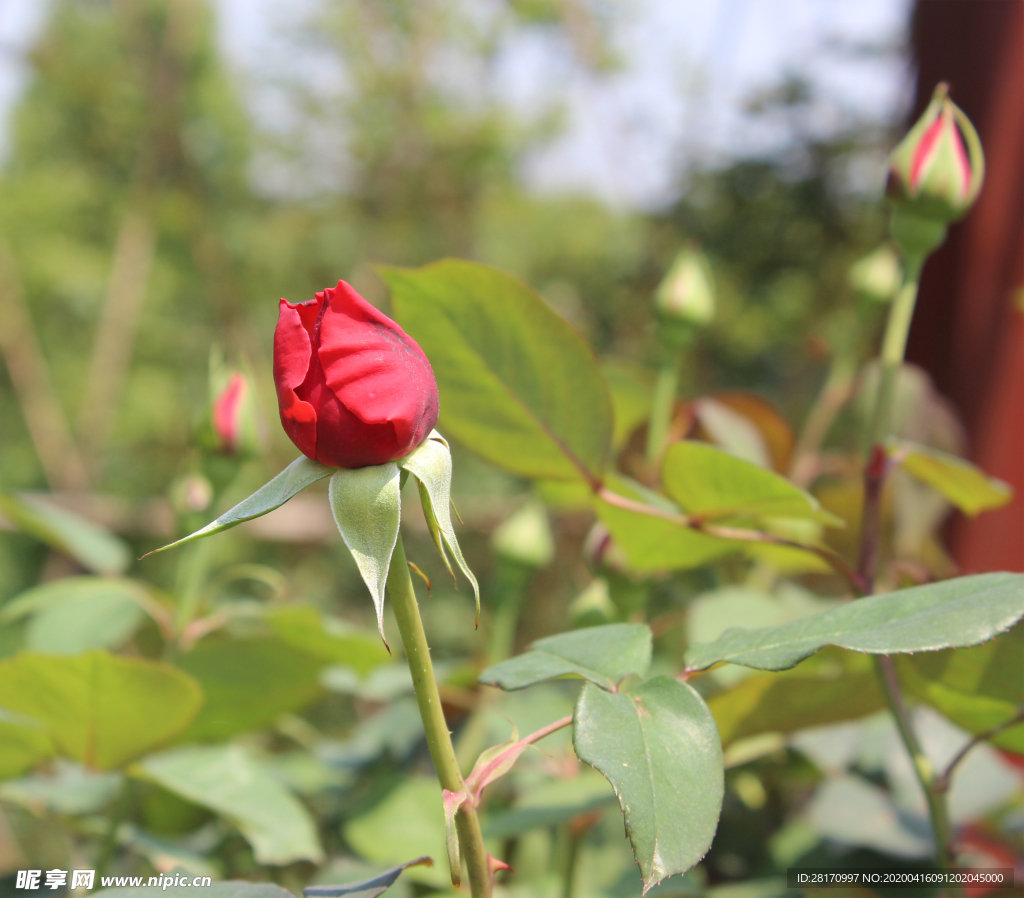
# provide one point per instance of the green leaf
(229, 781)
(97, 708)
(366, 888)
(659, 748)
(367, 507)
(228, 889)
(23, 744)
(977, 688)
(89, 544)
(831, 686)
(603, 655)
(409, 821)
(75, 614)
(301, 473)
(952, 614)
(327, 639)
(431, 465)
(969, 488)
(248, 684)
(652, 543)
(708, 482)
(518, 384)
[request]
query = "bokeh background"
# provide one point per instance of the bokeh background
(170, 168)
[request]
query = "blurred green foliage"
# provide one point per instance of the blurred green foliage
(148, 215)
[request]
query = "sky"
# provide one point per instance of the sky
(678, 99)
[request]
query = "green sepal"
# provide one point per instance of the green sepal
(431, 464)
(301, 473)
(367, 507)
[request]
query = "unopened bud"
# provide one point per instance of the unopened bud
(877, 277)
(685, 299)
(526, 536)
(232, 425)
(935, 173)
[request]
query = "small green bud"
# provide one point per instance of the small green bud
(878, 276)
(526, 536)
(685, 299)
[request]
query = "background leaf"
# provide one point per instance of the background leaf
(831, 686)
(977, 688)
(228, 780)
(75, 614)
(87, 543)
(651, 543)
(518, 384)
(328, 639)
(658, 746)
(248, 683)
(409, 821)
(968, 487)
(709, 482)
(952, 614)
(100, 709)
(22, 746)
(603, 655)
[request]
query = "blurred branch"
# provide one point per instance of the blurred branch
(741, 534)
(115, 335)
(136, 239)
(941, 782)
(30, 376)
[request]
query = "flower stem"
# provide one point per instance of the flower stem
(876, 468)
(439, 741)
(662, 405)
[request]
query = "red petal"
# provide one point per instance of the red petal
(925, 149)
(292, 353)
(375, 369)
(225, 411)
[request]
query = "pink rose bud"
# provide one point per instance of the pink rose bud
(937, 170)
(232, 426)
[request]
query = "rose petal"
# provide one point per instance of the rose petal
(374, 368)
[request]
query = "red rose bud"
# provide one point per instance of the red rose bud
(353, 387)
(227, 411)
(932, 174)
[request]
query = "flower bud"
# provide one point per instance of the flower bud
(233, 417)
(877, 277)
(353, 388)
(685, 299)
(932, 174)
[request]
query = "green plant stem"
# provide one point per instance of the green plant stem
(575, 843)
(894, 346)
(923, 767)
(117, 814)
(439, 741)
(662, 406)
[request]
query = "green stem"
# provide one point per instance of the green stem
(439, 741)
(923, 767)
(662, 406)
(575, 843)
(108, 848)
(894, 346)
